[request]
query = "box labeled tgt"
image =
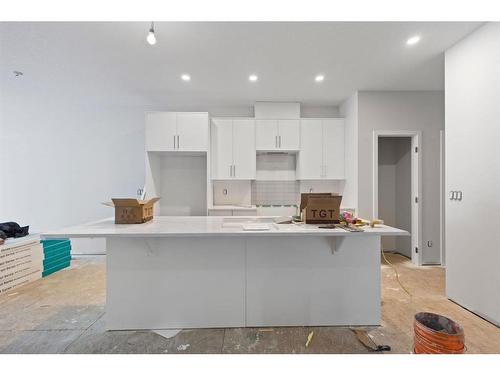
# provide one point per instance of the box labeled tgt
(133, 211)
(322, 210)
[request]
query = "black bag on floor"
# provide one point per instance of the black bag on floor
(12, 229)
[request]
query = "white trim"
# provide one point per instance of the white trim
(416, 171)
(442, 192)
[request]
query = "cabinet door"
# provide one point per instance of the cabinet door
(222, 149)
(266, 135)
(289, 135)
(192, 131)
(160, 131)
(244, 149)
(310, 159)
(333, 148)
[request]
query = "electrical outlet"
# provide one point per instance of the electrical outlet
(429, 243)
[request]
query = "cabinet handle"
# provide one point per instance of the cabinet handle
(280, 140)
(230, 171)
(234, 170)
(174, 142)
(177, 141)
(276, 141)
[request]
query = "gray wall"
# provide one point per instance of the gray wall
(391, 110)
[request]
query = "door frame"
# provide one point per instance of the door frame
(416, 185)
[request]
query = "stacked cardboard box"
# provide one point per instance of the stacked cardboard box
(57, 255)
(21, 262)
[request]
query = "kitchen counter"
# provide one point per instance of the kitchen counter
(208, 226)
(206, 272)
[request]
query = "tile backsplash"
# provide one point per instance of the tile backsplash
(232, 192)
(284, 193)
(275, 192)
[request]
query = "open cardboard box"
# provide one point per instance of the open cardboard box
(320, 208)
(133, 211)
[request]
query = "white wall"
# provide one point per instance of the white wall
(472, 72)
(62, 156)
(349, 111)
(63, 153)
(404, 110)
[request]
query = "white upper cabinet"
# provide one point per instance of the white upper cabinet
(222, 149)
(310, 158)
(244, 157)
(333, 149)
(176, 131)
(192, 131)
(277, 135)
(266, 135)
(321, 153)
(161, 131)
(233, 149)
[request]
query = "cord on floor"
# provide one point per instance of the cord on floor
(396, 272)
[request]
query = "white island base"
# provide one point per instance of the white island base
(175, 277)
(165, 283)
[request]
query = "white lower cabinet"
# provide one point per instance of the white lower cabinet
(321, 154)
(233, 149)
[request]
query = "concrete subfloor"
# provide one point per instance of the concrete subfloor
(65, 313)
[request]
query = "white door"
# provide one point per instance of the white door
(222, 149)
(192, 131)
(310, 160)
(333, 148)
(161, 130)
(244, 149)
(289, 135)
(266, 135)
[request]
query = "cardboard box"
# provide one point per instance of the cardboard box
(322, 209)
(133, 211)
(304, 197)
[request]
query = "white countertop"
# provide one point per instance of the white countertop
(232, 207)
(200, 226)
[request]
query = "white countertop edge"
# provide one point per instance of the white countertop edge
(199, 226)
(223, 234)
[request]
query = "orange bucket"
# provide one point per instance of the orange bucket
(436, 334)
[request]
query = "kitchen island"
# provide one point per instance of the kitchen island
(202, 272)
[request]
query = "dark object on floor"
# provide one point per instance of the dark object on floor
(436, 334)
(367, 341)
(3, 236)
(12, 229)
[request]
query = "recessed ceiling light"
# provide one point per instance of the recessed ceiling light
(413, 40)
(151, 38)
(319, 78)
(253, 78)
(186, 77)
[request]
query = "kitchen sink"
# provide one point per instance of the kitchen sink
(239, 222)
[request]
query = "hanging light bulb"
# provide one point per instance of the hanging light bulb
(151, 35)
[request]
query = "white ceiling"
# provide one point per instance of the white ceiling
(113, 62)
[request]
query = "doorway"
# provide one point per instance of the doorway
(396, 187)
